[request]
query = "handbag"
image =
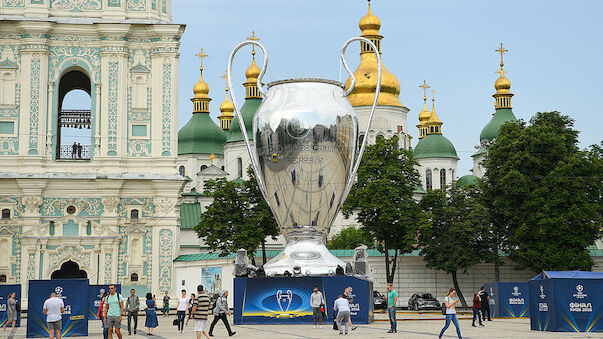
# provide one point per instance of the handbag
(322, 310)
(335, 321)
(175, 322)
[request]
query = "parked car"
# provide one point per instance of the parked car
(423, 301)
(379, 301)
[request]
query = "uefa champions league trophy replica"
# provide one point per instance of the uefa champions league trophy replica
(305, 159)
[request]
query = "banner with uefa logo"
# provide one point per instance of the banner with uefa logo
(567, 302)
(74, 293)
(286, 300)
(508, 299)
(95, 292)
(5, 290)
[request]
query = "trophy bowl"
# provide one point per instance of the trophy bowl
(305, 157)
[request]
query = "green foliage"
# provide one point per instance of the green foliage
(457, 236)
(350, 238)
(237, 218)
(544, 194)
(382, 199)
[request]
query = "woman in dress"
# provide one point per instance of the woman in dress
(151, 319)
(101, 315)
(11, 311)
(451, 313)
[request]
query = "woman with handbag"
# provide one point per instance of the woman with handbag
(151, 315)
(451, 313)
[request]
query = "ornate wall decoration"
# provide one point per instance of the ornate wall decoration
(114, 3)
(56, 258)
(139, 116)
(164, 6)
(121, 253)
(148, 206)
(166, 100)
(76, 5)
(32, 204)
(164, 205)
(136, 5)
(147, 266)
(8, 112)
(108, 264)
(9, 145)
(34, 104)
(16, 267)
(37, 2)
(110, 203)
(86, 57)
(166, 239)
(14, 3)
(112, 115)
(53, 207)
(31, 266)
(139, 148)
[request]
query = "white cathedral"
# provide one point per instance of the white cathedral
(120, 203)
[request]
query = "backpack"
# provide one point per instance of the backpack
(18, 307)
(444, 307)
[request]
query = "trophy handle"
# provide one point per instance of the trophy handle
(233, 98)
(370, 119)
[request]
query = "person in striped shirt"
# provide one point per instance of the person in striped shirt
(200, 312)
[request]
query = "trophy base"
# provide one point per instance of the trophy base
(312, 257)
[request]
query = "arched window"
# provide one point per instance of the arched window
(51, 228)
(428, 181)
(134, 214)
(442, 178)
(239, 167)
(2, 278)
(182, 170)
(88, 228)
(6, 213)
(203, 167)
(74, 117)
(134, 277)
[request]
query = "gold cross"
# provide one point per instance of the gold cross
(201, 56)
(501, 72)
(433, 100)
(502, 51)
(225, 77)
(424, 87)
(253, 38)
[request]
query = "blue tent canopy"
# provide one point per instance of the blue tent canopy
(569, 275)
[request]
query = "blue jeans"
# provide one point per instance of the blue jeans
(476, 315)
(391, 314)
(181, 315)
(105, 329)
(455, 320)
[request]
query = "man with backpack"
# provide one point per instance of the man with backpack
(484, 303)
(200, 312)
(114, 309)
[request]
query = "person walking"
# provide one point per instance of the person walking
(220, 312)
(347, 293)
(183, 302)
(114, 309)
(200, 312)
(11, 311)
(392, 301)
(79, 150)
(451, 313)
(317, 301)
(132, 307)
(73, 150)
(476, 308)
(166, 304)
(101, 315)
(342, 307)
(151, 314)
(190, 308)
(484, 301)
(53, 309)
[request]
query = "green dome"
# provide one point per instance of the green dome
(435, 146)
(501, 116)
(201, 135)
(247, 111)
(466, 180)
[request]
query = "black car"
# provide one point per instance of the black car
(379, 301)
(423, 301)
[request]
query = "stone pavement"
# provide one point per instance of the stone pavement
(417, 326)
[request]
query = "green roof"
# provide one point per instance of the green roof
(435, 146)
(201, 135)
(468, 179)
(190, 215)
(419, 189)
(481, 150)
(501, 116)
(247, 111)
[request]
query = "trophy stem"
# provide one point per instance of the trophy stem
(310, 254)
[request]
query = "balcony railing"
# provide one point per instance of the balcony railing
(74, 152)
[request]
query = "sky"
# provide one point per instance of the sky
(554, 59)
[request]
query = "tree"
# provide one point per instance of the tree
(350, 238)
(260, 215)
(456, 236)
(382, 197)
(544, 194)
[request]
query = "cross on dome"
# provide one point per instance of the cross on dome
(253, 37)
(502, 51)
(201, 56)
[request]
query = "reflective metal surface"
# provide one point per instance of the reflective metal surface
(305, 159)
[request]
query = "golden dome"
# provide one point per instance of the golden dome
(366, 73)
(424, 114)
(502, 84)
(201, 88)
(227, 108)
(253, 72)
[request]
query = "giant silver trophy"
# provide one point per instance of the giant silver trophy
(305, 159)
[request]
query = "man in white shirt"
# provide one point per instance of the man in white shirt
(53, 309)
(342, 307)
(316, 301)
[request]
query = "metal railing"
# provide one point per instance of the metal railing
(74, 152)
